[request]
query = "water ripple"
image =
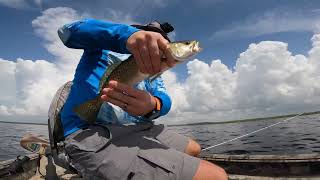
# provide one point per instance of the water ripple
(299, 135)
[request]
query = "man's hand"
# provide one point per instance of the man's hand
(147, 49)
(134, 101)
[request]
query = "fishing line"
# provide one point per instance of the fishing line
(251, 132)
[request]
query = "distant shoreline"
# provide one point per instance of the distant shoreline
(190, 124)
(245, 120)
(12, 122)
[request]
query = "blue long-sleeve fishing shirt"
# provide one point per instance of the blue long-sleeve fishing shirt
(99, 39)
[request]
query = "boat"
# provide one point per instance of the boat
(238, 167)
(29, 169)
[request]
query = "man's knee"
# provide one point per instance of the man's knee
(209, 171)
(193, 148)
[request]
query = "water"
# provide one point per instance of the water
(299, 135)
(10, 135)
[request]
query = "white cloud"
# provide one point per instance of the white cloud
(21, 4)
(14, 3)
(7, 92)
(37, 82)
(175, 88)
(4, 110)
(118, 16)
(31, 84)
(275, 21)
(46, 27)
(267, 80)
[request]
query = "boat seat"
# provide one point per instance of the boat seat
(56, 136)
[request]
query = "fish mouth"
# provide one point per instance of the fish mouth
(196, 47)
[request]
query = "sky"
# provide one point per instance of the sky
(259, 58)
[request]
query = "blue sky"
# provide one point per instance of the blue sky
(259, 58)
(193, 19)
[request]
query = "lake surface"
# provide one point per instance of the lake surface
(296, 136)
(11, 134)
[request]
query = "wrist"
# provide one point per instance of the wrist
(155, 112)
(131, 39)
(157, 106)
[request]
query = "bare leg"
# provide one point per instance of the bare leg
(209, 171)
(193, 148)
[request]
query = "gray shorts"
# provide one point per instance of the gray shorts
(138, 152)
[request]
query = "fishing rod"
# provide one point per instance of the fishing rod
(248, 134)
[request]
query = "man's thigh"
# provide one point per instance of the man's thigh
(164, 164)
(92, 154)
(134, 156)
(169, 137)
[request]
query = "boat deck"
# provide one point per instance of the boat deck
(239, 167)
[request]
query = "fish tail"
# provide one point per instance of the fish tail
(89, 110)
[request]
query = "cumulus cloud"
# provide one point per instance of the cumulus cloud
(46, 27)
(7, 77)
(36, 84)
(267, 80)
(272, 22)
(31, 84)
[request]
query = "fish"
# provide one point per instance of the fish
(127, 72)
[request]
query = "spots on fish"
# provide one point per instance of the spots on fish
(92, 107)
(88, 110)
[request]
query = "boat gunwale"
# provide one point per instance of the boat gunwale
(29, 168)
(230, 162)
(313, 157)
(7, 163)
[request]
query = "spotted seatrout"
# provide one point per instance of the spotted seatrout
(127, 72)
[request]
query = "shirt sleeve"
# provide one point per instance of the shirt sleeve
(96, 34)
(157, 89)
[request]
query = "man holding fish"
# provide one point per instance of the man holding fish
(117, 91)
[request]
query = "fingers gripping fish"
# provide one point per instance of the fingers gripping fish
(127, 72)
